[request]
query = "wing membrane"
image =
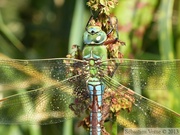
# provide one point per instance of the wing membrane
(144, 112)
(144, 74)
(45, 105)
(20, 74)
(51, 87)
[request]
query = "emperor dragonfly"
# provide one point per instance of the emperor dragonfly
(63, 88)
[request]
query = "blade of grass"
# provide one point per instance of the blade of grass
(114, 127)
(166, 46)
(9, 35)
(75, 34)
(165, 29)
(178, 33)
(77, 26)
(178, 52)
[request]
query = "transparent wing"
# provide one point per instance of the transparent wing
(136, 110)
(45, 105)
(144, 74)
(33, 74)
(156, 77)
(51, 87)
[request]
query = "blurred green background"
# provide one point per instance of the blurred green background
(34, 29)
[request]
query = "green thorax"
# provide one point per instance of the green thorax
(98, 52)
(94, 54)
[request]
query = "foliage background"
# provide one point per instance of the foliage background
(32, 29)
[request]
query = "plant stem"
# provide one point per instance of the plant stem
(114, 126)
(10, 36)
(165, 30)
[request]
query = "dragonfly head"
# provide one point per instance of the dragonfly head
(94, 35)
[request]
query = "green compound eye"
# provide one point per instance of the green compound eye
(93, 29)
(94, 35)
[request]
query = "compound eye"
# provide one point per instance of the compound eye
(98, 38)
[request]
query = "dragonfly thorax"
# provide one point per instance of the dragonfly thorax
(92, 67)
(93, 57)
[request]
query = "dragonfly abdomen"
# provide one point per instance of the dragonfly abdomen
(96, 89)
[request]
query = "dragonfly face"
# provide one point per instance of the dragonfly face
(94, 35)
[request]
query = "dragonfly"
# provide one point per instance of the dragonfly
(95, 88)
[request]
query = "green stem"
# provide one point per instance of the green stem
(114, 127)
(165, 29)
(75, 38)
(10, 36)
(178, 33)
(76, 27)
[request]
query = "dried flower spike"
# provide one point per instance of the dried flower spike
(102, 6)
